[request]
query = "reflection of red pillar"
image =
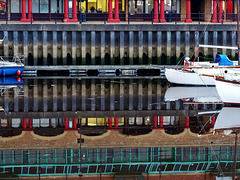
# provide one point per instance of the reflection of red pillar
(155, 16)
(162, 16)
(30, 122)
(220, 11)
(214, 15)
(30, 18)
(24, 123)
(74, 12)
(213, 119)
(110, 11)
(109, 123)
(155, 122)
(74, 123)
(116, 122)
(188, 12)
(66, 123)
(161, 122)
(65, 19)
(187, 122)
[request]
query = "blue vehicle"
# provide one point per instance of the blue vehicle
(11, 68)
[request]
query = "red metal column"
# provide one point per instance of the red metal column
(213, 119)
(110, 11)
(220, 11)
(66, 123)
(155, 122)
(109, 123)
(116, 11)
(23, 16)
(161, 122)
(24, 123)
(229, 7)
(188, 12)
(155, 15)
(116, 123)
(162, 15)
(66, 17)
(30, 123)
(214, 15)
(74, 123)
(30, 17)
(187, 122)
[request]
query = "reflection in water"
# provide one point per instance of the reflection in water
(52, 113)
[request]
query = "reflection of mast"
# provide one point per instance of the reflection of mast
(238, 38)
(235, 153)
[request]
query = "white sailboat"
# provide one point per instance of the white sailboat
(202, 73)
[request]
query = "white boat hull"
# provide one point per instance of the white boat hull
(187, 78)
(228, 91)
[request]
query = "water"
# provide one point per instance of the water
(157, 127)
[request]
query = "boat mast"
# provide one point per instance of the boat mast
(238, 38)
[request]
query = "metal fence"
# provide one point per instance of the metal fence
(128, 18)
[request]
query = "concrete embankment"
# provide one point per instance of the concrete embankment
(114, 44)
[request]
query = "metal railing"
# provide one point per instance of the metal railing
(128, 18)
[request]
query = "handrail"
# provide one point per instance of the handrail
(127, 18)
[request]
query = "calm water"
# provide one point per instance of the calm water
(139, 106)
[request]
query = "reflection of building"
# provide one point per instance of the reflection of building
(95, 9)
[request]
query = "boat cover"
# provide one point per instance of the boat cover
(223, 60)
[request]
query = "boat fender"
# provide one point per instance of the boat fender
(225, 71)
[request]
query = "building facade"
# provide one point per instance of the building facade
(119, 10)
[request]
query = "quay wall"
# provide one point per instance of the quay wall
(109, 44)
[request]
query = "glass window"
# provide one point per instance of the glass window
(35, 8)
(15, 6)
(53, 6)
(44, 6)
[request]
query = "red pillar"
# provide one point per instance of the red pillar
(116, 123)
(214, 15)
(187, 122)
(109, 123)
(116, 12)
(110, 11)
(162, 16)
(213, 119)
(66, 123)
(188, 12)
(30, 122)
(23, 16)
(30, 18)
(161, 122)
(220, 11)
(65, 19)
(229, 7)
(74, 123)
(155, 15)
(24, 123)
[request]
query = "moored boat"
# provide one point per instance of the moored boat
(11, 68)
(202, 73)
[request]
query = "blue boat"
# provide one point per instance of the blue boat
(11, 68)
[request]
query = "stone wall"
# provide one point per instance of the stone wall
(114, 44)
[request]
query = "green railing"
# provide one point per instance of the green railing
(111, 161)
